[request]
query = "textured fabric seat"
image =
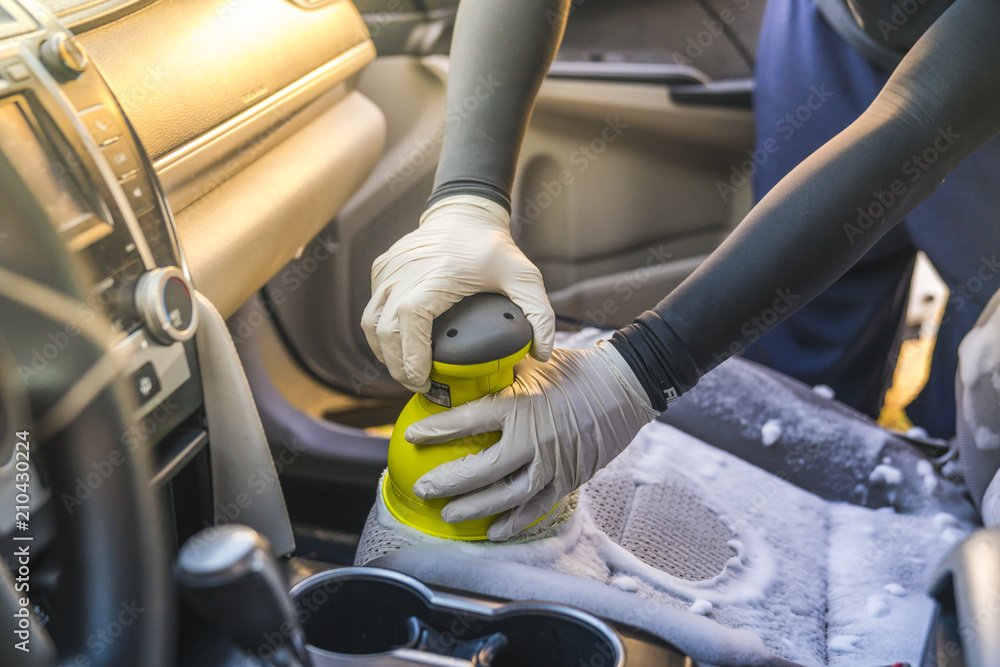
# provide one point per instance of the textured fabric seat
(730, 562)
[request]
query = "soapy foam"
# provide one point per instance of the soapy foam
(825, 391)
(887, 474)
(770, 432)
(803, 574)
(809, 580)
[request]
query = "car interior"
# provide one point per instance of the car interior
(192, 193)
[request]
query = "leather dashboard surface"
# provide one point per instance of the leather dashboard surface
(183, 67)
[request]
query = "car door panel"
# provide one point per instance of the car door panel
(617, 191)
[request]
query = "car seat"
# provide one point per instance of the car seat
(758, 522)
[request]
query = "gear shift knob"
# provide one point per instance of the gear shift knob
(229, 575)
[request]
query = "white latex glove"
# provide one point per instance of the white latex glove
(562, 422)
(462, 247)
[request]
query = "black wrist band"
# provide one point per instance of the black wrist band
(477, 188)
(657, 357)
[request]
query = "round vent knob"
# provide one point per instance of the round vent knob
(163, 300)
(63, 56)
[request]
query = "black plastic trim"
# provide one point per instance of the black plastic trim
(734, 94)
(664, 73)
(181, 450)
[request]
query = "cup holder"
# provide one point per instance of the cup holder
(361, 615)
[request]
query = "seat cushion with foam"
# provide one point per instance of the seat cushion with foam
(730, 563)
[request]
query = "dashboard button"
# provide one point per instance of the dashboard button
(102, 125)
(178, 303)
(145, 382)
(121, 158)
(17, 72)
(139, 193)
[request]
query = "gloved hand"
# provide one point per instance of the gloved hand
(562, 422)
(462, 247)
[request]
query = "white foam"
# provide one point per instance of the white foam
(991, 503)
(770, 432)
(944, 520)
(876, 607)
(701, 607)
(894, 589)
(843, 643)
(709, 471)
(896, 556)
(885, 473)
(952, 535)
(825, 391)
(979, 352)
(625, 584)
(986, 438)
(926, 472)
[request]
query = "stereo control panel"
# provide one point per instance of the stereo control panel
(74, 151)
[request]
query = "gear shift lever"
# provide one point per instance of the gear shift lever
(229, 575)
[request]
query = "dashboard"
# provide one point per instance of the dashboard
(177, 145)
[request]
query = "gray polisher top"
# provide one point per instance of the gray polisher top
(479, 328)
